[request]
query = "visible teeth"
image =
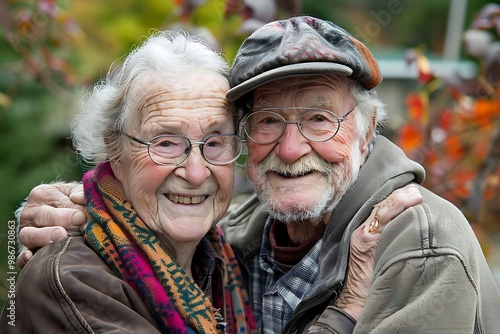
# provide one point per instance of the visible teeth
(197, 199)
(288, 174)
(186, 199)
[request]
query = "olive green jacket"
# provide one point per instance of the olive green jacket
(430, 273)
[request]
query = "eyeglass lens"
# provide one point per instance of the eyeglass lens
(172, 150)
(267, 126)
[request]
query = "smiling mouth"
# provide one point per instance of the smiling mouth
(186, 199)
(293, 175)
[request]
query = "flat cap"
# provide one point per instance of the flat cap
(299, 46)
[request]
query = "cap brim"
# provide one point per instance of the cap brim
(286, 71)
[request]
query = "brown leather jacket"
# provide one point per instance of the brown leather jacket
(74, 291)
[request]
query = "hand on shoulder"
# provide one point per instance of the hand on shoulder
(49, 211)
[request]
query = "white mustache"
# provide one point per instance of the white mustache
(306, 164)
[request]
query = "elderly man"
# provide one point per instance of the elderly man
(318, 166)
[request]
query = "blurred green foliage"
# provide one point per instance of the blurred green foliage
(49, 57)
(51, 51)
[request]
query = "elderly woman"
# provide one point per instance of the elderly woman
(150, 259)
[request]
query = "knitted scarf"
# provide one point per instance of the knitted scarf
(135, 254)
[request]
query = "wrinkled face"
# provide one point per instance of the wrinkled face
(180, 203)
(299, 180)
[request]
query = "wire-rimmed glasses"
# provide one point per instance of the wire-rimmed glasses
(172, 150)
(267, 125)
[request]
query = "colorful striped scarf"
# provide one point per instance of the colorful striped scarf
(135, 254)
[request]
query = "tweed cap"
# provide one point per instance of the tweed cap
(299, 46)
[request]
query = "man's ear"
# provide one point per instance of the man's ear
(365, 144)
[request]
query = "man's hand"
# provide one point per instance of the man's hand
(364, 241)
(50, 211)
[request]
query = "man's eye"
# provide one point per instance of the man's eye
(165, 143)
(319, 118)
(270, 120)
(213, 143)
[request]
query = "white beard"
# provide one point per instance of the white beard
(339, 178)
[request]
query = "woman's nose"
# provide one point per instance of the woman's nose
(194, 169)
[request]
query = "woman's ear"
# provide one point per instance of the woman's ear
(117, 168)
(114, 144)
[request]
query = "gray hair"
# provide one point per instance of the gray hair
(108, 109)
(368, 105)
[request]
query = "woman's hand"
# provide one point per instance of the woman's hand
(364, 241)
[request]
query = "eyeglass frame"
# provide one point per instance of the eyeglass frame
(190, 147)
(286, 122)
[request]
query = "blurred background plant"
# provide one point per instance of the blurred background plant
(53, 50)
(454, 126)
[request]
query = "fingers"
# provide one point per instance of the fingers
(78, 196)
(40, 216)
(52, 204)
(24, 257)
(364, 240)
(33, 238)
(391, 207)
(50, 210)
(397, 202)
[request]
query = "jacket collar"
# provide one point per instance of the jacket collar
(393, 170)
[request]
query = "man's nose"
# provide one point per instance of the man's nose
(292, 144)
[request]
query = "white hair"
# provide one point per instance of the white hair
(368, 106)
(107, 109)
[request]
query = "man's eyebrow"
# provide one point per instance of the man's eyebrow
(264, 104)
(320, 102)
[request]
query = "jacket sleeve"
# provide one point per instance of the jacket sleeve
(430, 276)
(421, 295)
(332, 321)
(66, 288)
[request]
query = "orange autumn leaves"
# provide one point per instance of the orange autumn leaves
(412, 134)
(450, 133)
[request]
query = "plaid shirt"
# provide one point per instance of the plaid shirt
(276, 294)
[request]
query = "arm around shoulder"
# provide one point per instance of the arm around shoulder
(49, 210)
(430, 274)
